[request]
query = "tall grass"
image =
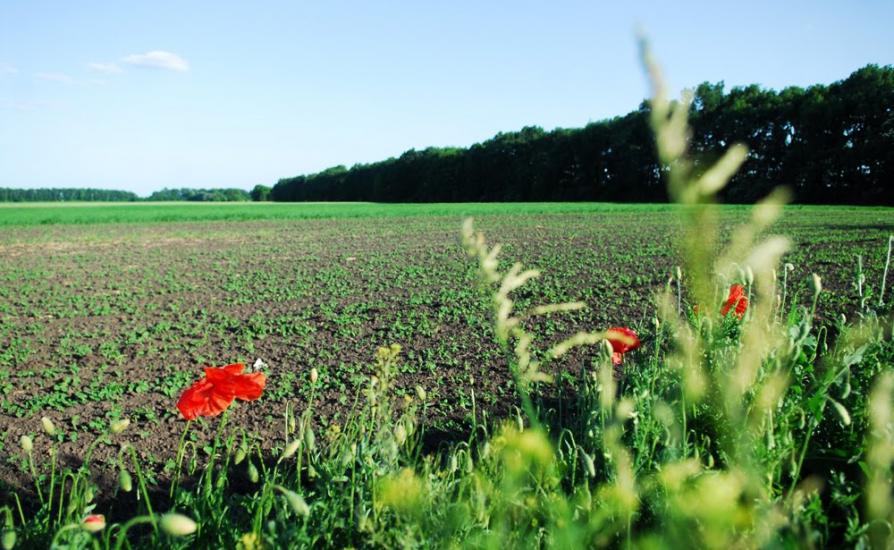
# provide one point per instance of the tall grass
(720, 431)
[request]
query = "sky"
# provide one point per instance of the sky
(144, 95)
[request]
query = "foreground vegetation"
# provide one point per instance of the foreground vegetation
(768, 423)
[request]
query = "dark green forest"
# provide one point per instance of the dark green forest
(830, 144)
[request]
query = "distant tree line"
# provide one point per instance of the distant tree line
(200, 195)
(828, 143)
(51, 195)
(259, 193)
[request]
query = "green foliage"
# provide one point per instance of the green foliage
(65, 194)
(200, 195)
(260, 193)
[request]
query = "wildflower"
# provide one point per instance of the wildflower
(736, 298)
(622, 340)
(213, 394)
(94, 523)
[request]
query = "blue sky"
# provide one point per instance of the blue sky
(188, 93)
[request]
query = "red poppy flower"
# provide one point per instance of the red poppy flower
(212, 395)
(736, 298)
(622, 340)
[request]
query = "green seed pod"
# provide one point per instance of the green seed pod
(125, 482)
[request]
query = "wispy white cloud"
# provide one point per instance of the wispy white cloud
(26, 105)
(54, 77)
(158, 59)
(6, 68)
(105, 68)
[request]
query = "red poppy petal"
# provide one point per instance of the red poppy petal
(217, 374)
(622, 339)
(193, 401)
(246, 387)
(217, 404)
(741, 306)
(252, 386)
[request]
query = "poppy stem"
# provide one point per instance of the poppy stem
(180, 454)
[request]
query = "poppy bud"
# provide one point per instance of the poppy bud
(8, 540)
(589, 464)
(94, 523)
(253, 475)
(26, 443)
(119, 425)
(309, 438)
(749, 275)
(240, 456)
(48, 426)
(298, 505)
(125, 481)
(400, 434)
(314, 375)
(290, 449)
(817, 284)
(177, 525)
(420, 393)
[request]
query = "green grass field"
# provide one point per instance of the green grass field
(92, 213)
